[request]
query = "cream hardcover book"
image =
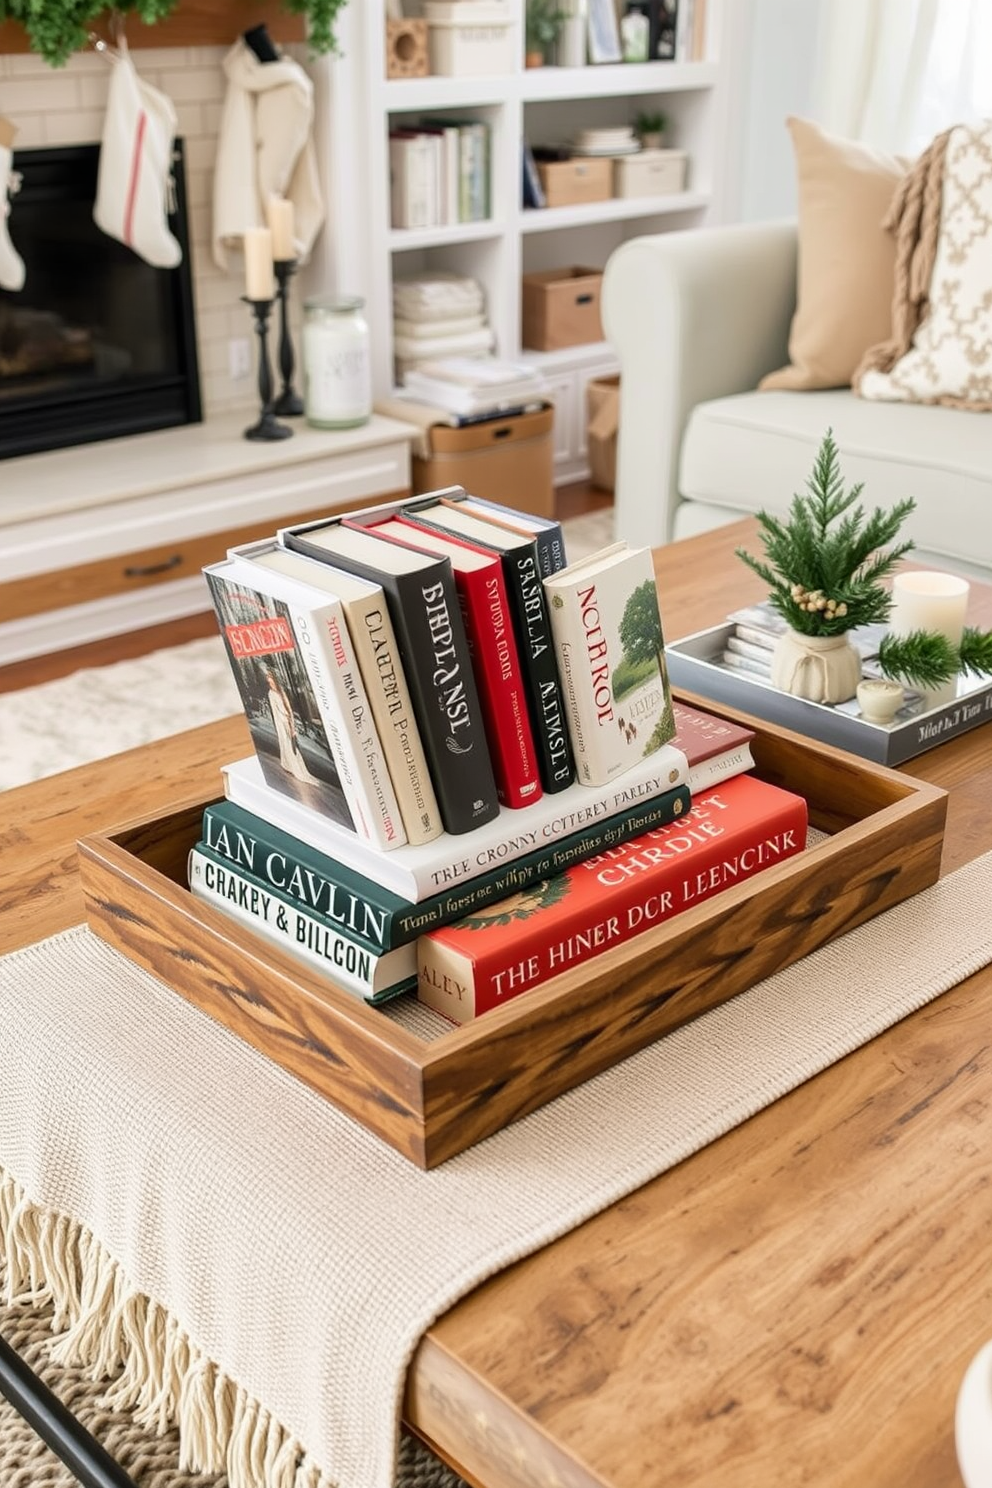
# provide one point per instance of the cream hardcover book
(610, 648)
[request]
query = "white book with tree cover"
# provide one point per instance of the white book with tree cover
(376, 647)
(321, 629)
(608, 639)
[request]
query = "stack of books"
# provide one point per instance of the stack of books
(447, 717)
(473, 388)
(437, 315)
(439, 173)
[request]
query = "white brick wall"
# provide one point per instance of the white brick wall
(66, 107)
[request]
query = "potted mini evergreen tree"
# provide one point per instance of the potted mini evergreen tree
(824, 565)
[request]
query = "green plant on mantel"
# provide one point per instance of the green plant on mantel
(823, 565)
(57, 28)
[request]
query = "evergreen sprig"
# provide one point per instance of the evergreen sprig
(57, 28)
(824, 562)
(924, 658)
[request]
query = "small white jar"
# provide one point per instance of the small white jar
(337, 373)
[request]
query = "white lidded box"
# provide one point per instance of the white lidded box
(469, 38)
(650, 173)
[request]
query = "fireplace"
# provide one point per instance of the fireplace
(98, 343)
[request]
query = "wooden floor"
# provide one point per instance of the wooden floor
(570, 501)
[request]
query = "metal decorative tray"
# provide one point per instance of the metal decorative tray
(920, 724)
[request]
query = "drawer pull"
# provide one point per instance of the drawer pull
(146, 571)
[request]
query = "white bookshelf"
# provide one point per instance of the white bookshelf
(358, 105)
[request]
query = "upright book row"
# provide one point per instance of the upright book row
(408, 670)
(439, 173)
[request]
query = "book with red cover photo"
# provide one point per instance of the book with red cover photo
(716, 748)
(728, 835)
(495, 660)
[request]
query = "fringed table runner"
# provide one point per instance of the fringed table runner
(234, 1254)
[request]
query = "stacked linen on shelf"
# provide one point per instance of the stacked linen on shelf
(438, 314)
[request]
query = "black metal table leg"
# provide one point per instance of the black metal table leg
(56, 1425)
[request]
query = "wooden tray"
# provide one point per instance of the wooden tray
(431, 1100)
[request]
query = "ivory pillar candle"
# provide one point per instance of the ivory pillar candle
(279, 212)
(929, 601)
(260, 281)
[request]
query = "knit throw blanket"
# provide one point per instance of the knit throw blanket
(941, 218)
(234, 1255)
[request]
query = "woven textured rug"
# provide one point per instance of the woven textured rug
(151, 1460)
(104, 710)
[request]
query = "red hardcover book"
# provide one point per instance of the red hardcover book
(715, 748)
(728, 835)
(495, 660)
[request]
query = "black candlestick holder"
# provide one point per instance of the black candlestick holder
(289, 402)
(268, 426)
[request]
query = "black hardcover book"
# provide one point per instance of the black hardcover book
(277, 695)
(423, 606)
(546, 531)
(525, 587)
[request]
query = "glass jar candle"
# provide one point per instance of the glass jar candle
(337, 391)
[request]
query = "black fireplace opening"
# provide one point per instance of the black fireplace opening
(98, 343)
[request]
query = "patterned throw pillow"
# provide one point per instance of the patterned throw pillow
(949, 358)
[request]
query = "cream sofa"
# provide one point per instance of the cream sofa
(696, 319)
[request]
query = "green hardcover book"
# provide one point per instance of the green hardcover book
(376, 918)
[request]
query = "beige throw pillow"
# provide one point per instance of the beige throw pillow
(846, 258)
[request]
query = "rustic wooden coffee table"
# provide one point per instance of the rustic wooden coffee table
(796, 1303)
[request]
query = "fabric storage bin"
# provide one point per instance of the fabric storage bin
(560, 307)
(569, 183)
(469, 38)
(650, 173)
(509, 460)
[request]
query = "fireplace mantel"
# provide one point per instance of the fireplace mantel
(194, 23)
(108, 538)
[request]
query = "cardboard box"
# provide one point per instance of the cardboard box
(602, 424)
(508, 460)
(569, 183)
(650, 173)
(560, 307)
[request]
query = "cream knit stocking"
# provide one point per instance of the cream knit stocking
(135, 163)
(11, 263)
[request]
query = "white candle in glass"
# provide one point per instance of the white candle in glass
(279, 212)
(260, 281)
(929, 601)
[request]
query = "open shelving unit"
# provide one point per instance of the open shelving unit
(543, 105)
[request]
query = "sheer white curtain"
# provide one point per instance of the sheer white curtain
(893, 73)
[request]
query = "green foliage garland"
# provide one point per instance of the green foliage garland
(57, 28)
(823, 564)
(924, 658)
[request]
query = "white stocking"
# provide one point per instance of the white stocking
(135, 162)
(11, 263)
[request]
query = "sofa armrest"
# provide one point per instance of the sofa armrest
(692, 316)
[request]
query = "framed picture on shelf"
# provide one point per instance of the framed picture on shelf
(604, 33)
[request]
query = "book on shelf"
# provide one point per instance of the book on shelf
(374, 641)
(325, 647)
(363, 910)
(279, 918)
(610, 650)
(414, 179)
(716, 748)
(417, 873)
(423, 606)
(728, 835)
(296, 754)
(521, 570)
(493, 648)
(532, 191)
